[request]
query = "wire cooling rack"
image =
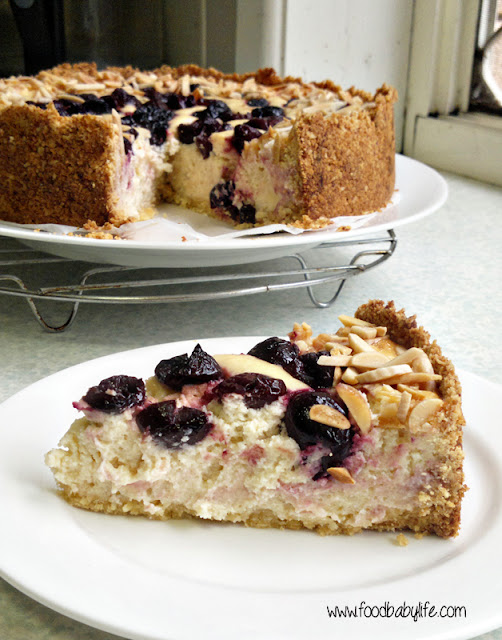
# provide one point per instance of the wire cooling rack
(109, 284)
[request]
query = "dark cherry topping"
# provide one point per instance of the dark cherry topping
(215, 109)
(268, 112)
(173, 427)
(119, 98)
(153, 118)
(256, 389)
(315, 375)
(258, 102)
(199, 132)
(244, 133)
(304, 367)
(197, 368)
(116, 394)
(307, 432)
(281, 352)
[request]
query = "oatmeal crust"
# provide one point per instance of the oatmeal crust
(57, 170)
(67, 170)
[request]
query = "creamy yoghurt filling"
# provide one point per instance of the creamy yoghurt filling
(176, 128)
(325, 408)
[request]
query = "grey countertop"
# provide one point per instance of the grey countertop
(446, 269)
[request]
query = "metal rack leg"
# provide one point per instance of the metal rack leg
(384, 254)
(36, 312)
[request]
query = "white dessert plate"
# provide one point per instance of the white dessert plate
(421, 191)
(192, 579)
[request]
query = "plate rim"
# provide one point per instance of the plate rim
(469, 628)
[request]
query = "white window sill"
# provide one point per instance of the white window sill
(467, 144)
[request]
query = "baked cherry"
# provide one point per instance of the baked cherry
(307, 432)
(116, 394)
(197, 368)
(315, 375)
(244, 133)
(173, 427)
(280, 352)
(256, 389)
(268, 112)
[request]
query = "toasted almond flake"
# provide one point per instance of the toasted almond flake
(404, 406)
(339, 339)
(368, 360)
(357, 404)
(350, 321)
(185, 85)
(422, 364)
(337, 349)
(350, 375)
(359, 345)
(366, 333)
(341, 474)
(328, 416)
(337, 375)
(383, 373)
(413, 378)
(343, 332)
(302, 345)
(334, 361)
(89, 86)
(407, 357)
(416, 392)
(381, 331)
(68, 96)
(422, 412)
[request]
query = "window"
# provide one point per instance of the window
(440, 128)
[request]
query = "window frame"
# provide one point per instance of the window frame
(438, 128)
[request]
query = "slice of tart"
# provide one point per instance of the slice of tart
(78, 146)
(358, 429)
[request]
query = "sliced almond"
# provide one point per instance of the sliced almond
(404, 406)
(422, 412)
(337, 349)
(334, 361)
(407, 357)
(350, 375)
(328, 416)
(383, 373)
(359, 345)
(339, 339)
(416, 392)
(357, 404)
(350, 321)
(381, 331)
(366, 333)
(337, 375)
(341, 474)
(422, 364)
(368, 360)
(413, 378)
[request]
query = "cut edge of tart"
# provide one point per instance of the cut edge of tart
(284, 436)
(82, 146)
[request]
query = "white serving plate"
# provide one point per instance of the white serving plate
(177, 580)
(421, 191)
